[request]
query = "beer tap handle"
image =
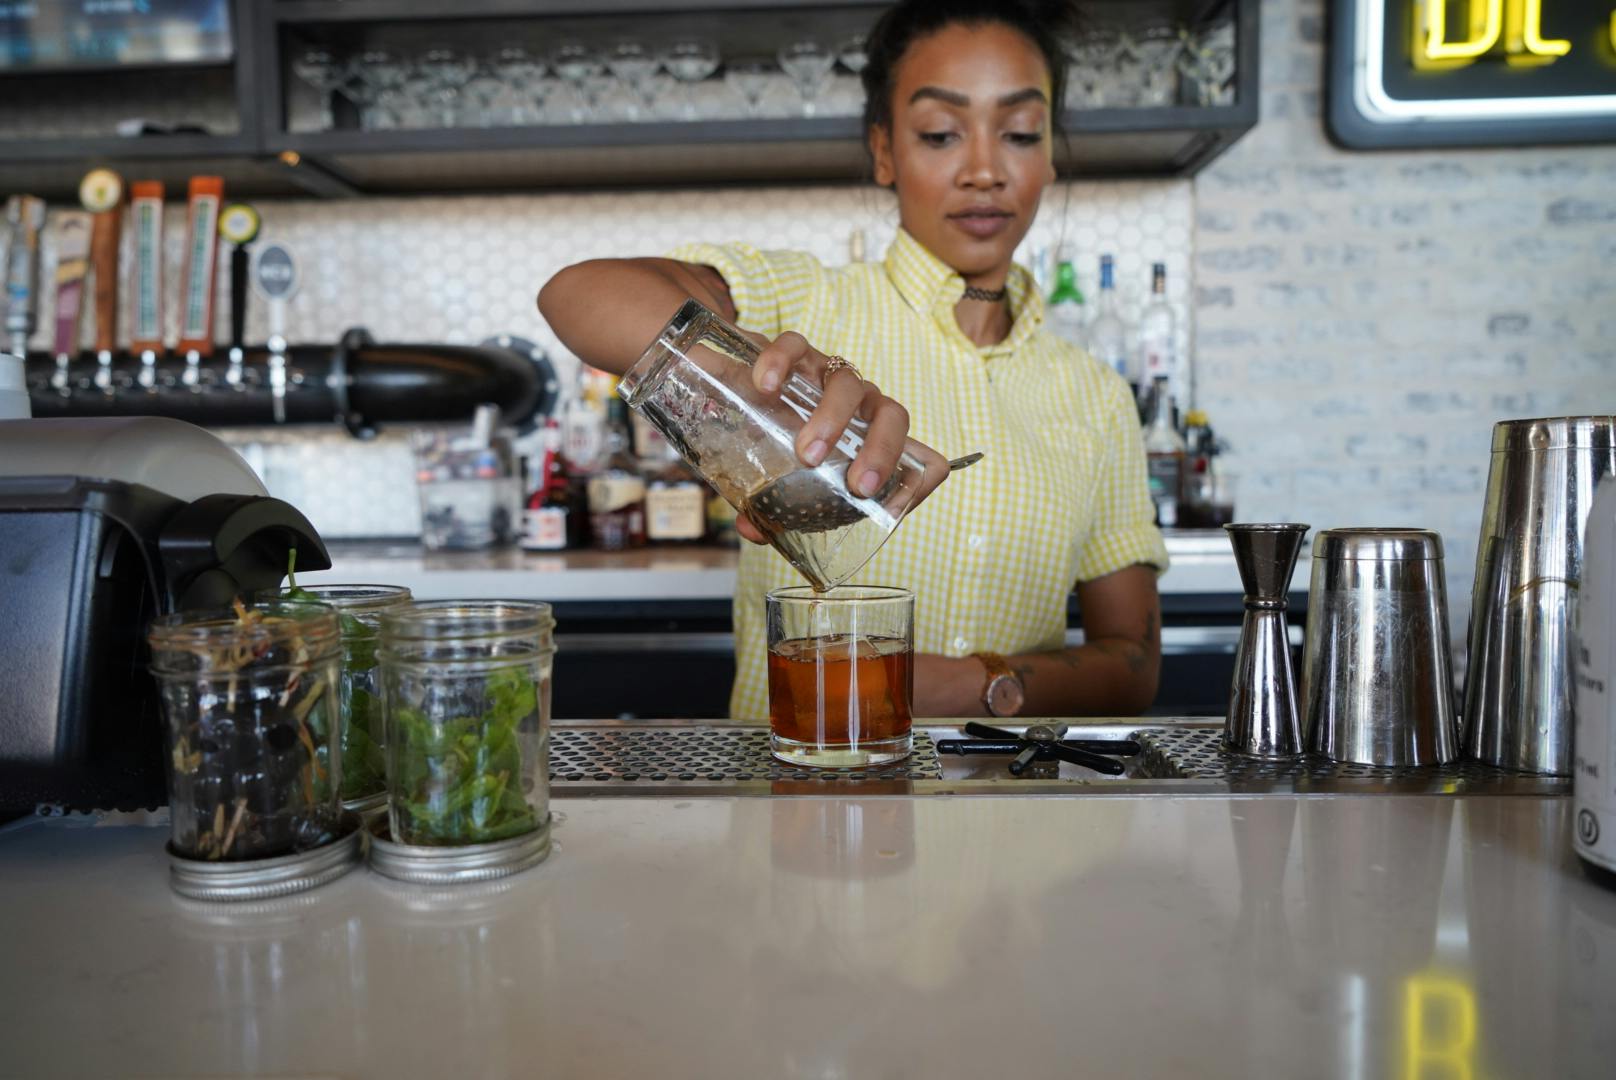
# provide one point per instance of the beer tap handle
(72, 266)
(276, 281)
(25, 217)
(238, 224)
(101, 193)
(146, 335)
(204, 201)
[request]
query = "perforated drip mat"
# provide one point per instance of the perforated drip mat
(710, 755)
(1198, 754)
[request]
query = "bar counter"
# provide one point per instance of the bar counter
(1283, 936)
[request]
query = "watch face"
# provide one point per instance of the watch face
(1005, 696)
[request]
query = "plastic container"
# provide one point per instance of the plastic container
(250, 708)
(466, 691)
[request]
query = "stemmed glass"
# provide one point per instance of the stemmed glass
(377, 90)
(851, 55)
(580, 67)
(326, 74)
(1155, 53)
(523, 75)
(749, 79)
(1208, 64)
(808, 63)
(634, 66)
(1095, 60)
(445, 73)
(689, 61)
(488, 100)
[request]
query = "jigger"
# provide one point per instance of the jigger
(1262, 721)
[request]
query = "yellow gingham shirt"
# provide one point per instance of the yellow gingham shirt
(992, 555)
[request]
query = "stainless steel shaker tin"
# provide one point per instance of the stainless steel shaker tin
(1518, 690)
(1377, 676)
(266, 879)
(458, 864)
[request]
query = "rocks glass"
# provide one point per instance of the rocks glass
(250, 713)
(841, 675)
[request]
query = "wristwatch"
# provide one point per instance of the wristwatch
(1003, 693)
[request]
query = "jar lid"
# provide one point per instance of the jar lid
(456, 864)
(1555, 433)
(1379, 545)
(265, 879)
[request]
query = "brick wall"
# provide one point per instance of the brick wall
(1362, 319)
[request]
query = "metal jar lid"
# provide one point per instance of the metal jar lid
(1555, 433)
(1378, 545)
(264, 879)
(459, 864)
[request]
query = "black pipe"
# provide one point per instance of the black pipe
(358, 383)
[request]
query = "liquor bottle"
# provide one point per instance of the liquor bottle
(617, 490)
(1164, 454)
(676, 506)
(721, 521)
(1065, 308)
(1108, 334)
(583, 429)
(1156, 337)
(547, 522)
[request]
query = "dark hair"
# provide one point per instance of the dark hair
(1043, 22)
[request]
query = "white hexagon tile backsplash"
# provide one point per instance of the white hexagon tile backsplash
(462, 269)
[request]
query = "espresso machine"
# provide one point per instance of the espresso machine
(104, 524)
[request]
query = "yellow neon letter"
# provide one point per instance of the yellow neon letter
(1445, 1049)
(1432, 49)
(1523, 40)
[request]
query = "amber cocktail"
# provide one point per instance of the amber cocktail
(841, 675)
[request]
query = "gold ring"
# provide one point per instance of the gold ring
(840, 363)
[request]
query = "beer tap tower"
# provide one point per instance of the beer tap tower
(25, 217)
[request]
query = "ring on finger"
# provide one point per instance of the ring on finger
(840, 363)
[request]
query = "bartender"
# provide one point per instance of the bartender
(960, 102)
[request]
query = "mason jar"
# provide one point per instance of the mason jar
(359, 611)
(250, 706)
(466, 701)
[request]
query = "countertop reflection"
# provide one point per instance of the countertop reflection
(880, 937)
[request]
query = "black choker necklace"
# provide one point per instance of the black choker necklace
(993, 296)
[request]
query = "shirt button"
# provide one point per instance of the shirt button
(961, 644)
(975, 541)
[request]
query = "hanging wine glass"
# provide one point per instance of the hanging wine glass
(523, 75)
(445, 73)
(323, 71)
(851, 55)
(377, 90)
(581, 68)
(1208, 64)
(690, 61)
(634, 65)
(1154, 54)
(808, 65)
(488, 100)
(749, 79)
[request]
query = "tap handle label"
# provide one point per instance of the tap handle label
(72, 266)
(146, 215)
(201, 259)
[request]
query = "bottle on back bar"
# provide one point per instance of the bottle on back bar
(617, 490)
(1156, 335)
(1108, 334)
(1065, 306)
(547, 523)
(1164, 454)
(676, 506)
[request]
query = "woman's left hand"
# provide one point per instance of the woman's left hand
(948, 686)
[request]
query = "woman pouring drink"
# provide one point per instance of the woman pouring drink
(959, 116)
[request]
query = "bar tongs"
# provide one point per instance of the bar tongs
(1041, 743)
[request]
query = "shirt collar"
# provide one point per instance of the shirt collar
(932, 287)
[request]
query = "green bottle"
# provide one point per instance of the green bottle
(1065, 307)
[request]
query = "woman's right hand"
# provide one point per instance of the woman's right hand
(846, 396)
